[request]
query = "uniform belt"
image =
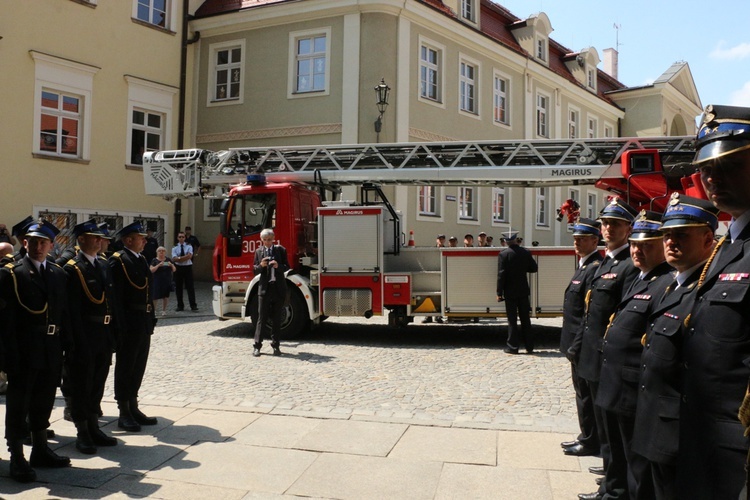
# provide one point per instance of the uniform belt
(139, 307)
(47, 329)
(102, 320)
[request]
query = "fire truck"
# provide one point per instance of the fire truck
(352, 258)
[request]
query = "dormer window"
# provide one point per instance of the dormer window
(542, 47)
(468, 10)
(591, 78)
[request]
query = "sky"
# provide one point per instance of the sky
(713, 37)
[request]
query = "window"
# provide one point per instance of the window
(62, 107)
(467, 204)
(591, 78)
(573, 117)
(499, 204)
(593, 125)
(227, 73)
(150, 114)
(428, 200)
(541, 48)
(542, 103)
(429, 73)
(609, 131)
(467, 10)
(591, 206)
(542, 207)
(500, 100)
(155, 12)
(468, 79)
(310, 62)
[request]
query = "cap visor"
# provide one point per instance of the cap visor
(720, 148)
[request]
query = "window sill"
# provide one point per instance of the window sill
(87, 3)
(66, 159)
(133, 166)
(153, 26)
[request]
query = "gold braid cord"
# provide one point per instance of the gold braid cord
(744, 412)
(125, 270)
(86, 288)
(710, 260)
(20, 302)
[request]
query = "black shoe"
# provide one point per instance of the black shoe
(180, 309)
(45, 457)
(276, 351)
(128, 423)
(256, 352)
(599, 480)
(580, 451)
(529, 351)
(21, 471)
(568, 444)
(509, 350)
(97, 436)
(439, 319)
(590, 496)
(141, 417)
(194, 309)
(428, 319)
(597, 470)
(84, 444)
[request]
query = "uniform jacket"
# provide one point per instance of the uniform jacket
(90, 305)
(657, 415)
(513, 263)
(622, 348)
(131, 275)
(277, 253)
(33, 316)
(574, 305)
(611, 280)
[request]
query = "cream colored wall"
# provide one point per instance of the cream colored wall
(104, 37)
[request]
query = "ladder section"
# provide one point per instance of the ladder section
(524, 163)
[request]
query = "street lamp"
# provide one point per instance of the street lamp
(381, 92)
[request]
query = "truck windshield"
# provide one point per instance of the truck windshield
(258, 212)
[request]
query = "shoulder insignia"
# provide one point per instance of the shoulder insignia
(116, 255)
(596, 263)
(10, 265)
(71, 262)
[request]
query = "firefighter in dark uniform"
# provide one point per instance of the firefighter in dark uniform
(628, 473)
(688, 227)
(612, 278)
(32, 321)
(713, 441)
(104, 250)
(90, 296)
(19, 230)
(586, 235)
(134, 325)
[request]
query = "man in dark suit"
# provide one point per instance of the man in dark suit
(688, 227)
(627, 474)
(513, 264)
(90, 297)
(271, 264)
(713, 442)
(586, 237)
(33, 321)
(613, 276)
(135, 321)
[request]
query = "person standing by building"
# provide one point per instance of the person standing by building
(452, 242)
(90, 291)
(270, 263)
(468, 240)
(586, 237)
(163, 273)
(713, 442)
(149, 250)
(688, 226)
(628, 473)
(33, 322)
(513, 265)
(613, 276)
(182, 256)
(134, 313)
(192, 240)
(6, 237)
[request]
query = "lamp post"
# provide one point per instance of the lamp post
(381, 92)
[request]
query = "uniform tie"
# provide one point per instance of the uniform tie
(182, 249)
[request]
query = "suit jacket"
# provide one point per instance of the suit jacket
(513, 263)
(657, 415)
(134, 313)
(717, 367)
(611, 280)
(90, 305)
(277, 253)
(622, 348)
(33, 316)
(574, 305)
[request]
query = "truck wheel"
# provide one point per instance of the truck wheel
(294, 319)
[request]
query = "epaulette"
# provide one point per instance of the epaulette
(596, 263)
(71, 262)
(11, 265)
(116, 254)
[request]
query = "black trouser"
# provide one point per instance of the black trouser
(664, 480)
(184, 277)
(87, 376)
(270, 305)
(31, 393)
(601, 425)
(585, 406)
(518, 308)
(130, 366)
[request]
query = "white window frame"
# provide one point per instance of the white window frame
(213, 51)
(497, 95)
(505, 193)
(542, 116)
(436, 196)
(574, 123)
(292, 92)
(592, 204)
(469, 10)
(541, 48)
(170, 12)
(542, 207)
(468, 211)
(67, 77)
(438, 68)
(591, 78)
(609, 130)
(465, 82)
(145, 95)
(592, 127)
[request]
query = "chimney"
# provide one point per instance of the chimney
(610, 62)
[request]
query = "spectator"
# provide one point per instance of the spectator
(5, 249)
(482, 239)
(513, 264)
(192, 240)
(163, 270)
(468, 240)
(489, 241)
(270, 263)
(6, 237)
(452, 242)
(182, 256)
(149, 251)
(440, 241)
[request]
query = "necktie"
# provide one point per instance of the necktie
(42, 273)
(272, 276)
(182, 249)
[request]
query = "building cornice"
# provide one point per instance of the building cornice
(269, 133)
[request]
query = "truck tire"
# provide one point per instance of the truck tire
(295, 319)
